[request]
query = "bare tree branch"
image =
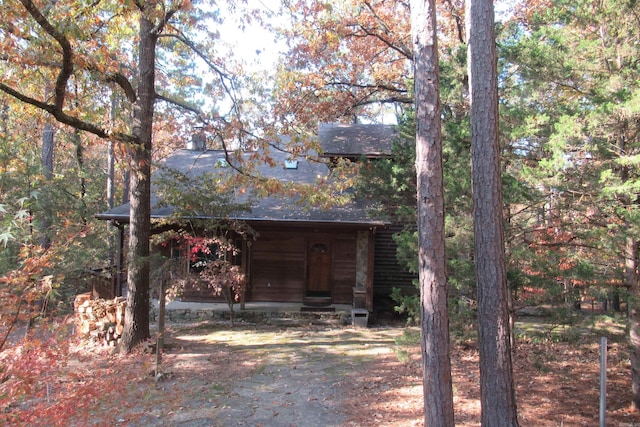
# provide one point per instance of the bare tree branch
(66, 119)
(182, 105)
(226, 80)
(124, 83)
(167, 16)
(67, 53)
(402, 49)
(117, 78)
(223, 75)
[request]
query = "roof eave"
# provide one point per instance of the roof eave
(124, 219)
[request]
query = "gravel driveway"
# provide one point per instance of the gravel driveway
(264, 376)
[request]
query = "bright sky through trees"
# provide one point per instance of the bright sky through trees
(253, 43)
(257, 48)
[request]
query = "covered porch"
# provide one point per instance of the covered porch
(275, 313)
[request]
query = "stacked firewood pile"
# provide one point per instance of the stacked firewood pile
(100, 319)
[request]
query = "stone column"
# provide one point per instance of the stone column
(362, 269)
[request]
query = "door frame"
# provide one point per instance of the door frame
(310, 243)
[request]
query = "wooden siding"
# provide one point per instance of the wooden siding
(344, 270)
(387, 273)
(277, 268)
(278, 265)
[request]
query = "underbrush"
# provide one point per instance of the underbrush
(569, 327)
(48, 378)
(572, 327)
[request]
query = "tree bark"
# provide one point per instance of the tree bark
(631, 281)
(77, 140)
(137, 314)
(630, 254)
(139, 142)
(496, 373)
(436, 361)
(48, 149)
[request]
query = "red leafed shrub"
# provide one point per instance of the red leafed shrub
(29, 381)
(49, 379)
(222, 278)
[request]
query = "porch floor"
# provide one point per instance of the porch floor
(255, 312)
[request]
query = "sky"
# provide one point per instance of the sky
(259, 50)
(255, 44)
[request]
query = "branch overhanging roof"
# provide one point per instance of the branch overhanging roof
(274, 207)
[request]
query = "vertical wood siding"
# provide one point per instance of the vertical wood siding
(344, 269)
(387, 273)
(278, 267)
(278, 272)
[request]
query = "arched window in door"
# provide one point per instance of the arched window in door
(319, 248)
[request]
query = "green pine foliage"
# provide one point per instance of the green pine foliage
(392, 182)
(569, 115)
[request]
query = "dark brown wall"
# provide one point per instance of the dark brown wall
(278, 269)
(344, 270)
(388, 274)
(277, 265)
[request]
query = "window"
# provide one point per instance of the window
(291, 164)
(319, 248)
(201, 257)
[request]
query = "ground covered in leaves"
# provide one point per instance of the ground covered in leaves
(557, 385)
(305, 375)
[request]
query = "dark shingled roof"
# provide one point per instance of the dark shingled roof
(272, 208)
(357, 140)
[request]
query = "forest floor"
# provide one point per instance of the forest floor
(321, 375)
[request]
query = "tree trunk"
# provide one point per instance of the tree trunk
(496, 374)
(77, 140)
(111, 191)
(631, 281)
(137, 314)
(161, 313)
(48, 148)
(615, 300)
(110, 202)
(437, 384)
(631, 273)
(111, 175)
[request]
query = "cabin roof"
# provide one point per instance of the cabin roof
(275, 208)
(357, 140)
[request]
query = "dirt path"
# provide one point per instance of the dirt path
(300, 392)
(282, 376)
(268, 376)
(272, 376)
(290, 377)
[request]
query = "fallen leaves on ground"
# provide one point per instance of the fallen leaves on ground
(557, 382)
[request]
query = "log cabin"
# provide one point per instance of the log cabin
(302, 254)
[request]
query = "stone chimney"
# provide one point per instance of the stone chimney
(198, 141)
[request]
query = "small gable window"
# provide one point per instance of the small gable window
(291, 164)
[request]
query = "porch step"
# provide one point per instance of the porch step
(312, 309)
(316, 301)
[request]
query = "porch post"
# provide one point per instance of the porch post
(119, 261)
(362, 289)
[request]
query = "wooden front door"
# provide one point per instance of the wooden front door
(318, 268)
